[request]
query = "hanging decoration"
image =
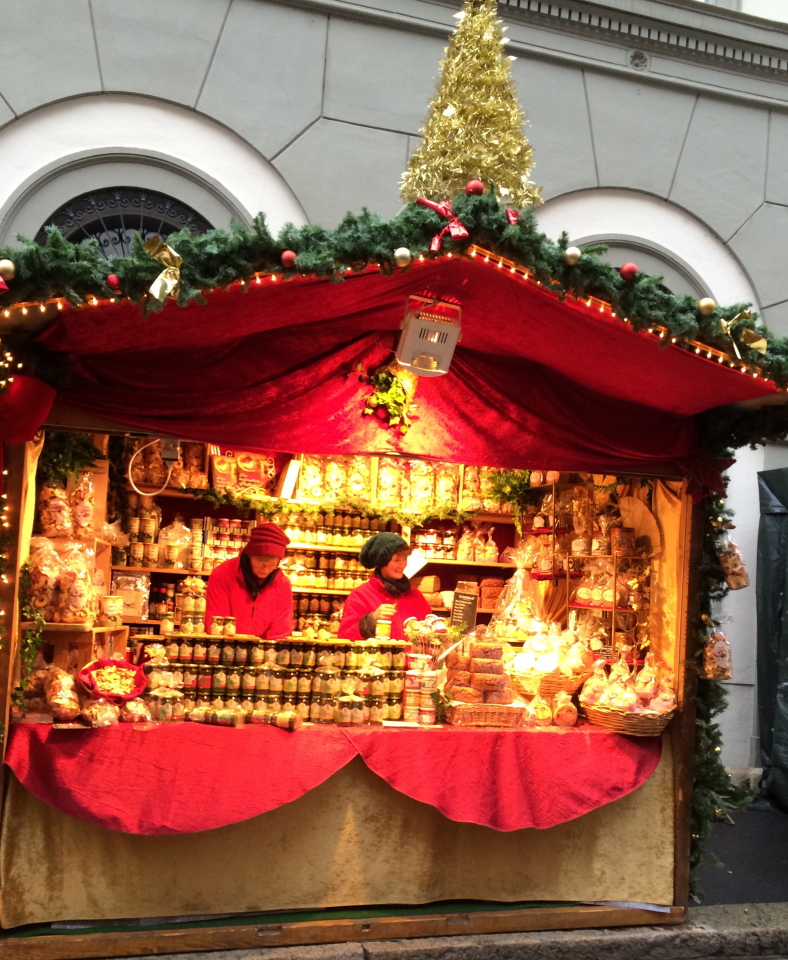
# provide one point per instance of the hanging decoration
(706, 306)
(746, 335)
(392, 396)
(628, 271)
(168, 282)
(402, 257)
(288, 259)
(454, 228)
(572, 255)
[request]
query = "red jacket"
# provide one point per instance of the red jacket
(368, 597)
(269, 616)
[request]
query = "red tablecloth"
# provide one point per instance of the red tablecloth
(184, 778)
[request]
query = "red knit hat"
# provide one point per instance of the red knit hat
(267, 540)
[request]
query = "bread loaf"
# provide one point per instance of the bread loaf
(488, 651)
(465, 694)
(456, 661)
(489, 681)
(478, 665)
(499, 696)
(462, 677)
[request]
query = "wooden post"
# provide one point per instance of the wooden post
(683, 726)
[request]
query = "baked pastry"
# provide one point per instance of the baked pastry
(489, 681)
(489, 651)
(479, 665)
(462, 677)
(505, 695)
(456, 661)
(465, 694)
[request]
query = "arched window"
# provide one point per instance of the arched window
(114, 214)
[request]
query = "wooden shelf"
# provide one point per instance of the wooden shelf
(470, 563)
(141, 621)
(322, 547)
(71, 627)
(170, 570)
(333, 593)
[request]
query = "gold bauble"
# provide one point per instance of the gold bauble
(402, 256)
(7, 269)
(572, 255)
(706, 306)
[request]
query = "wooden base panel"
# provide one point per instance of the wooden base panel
(106, 945)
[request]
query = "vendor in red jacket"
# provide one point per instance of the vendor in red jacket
(252, 588)
(387, 595)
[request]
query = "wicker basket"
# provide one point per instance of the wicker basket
(546, 684)
(620, 721)
(485, 715)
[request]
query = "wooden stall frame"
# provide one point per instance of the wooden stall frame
(130, 944)
(547, 918)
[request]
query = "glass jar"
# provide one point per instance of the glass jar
(219, 680)
(214, 654)
(257, 654)
(204, 679)
(296, 653)
(217, 626)
(229, 626)
(290, 683)
(241, 652)
(185, 648)
(233, 685)
(249, 680)
(228, 654)
(200, 650)
(262, 683)
(190, 673)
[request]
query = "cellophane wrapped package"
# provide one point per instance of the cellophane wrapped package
(82, 501)
(54, 511)
(77, 601)
(44, 567)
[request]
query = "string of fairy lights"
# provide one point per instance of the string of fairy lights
(403, 258)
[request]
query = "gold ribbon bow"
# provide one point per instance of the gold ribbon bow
(168, 282)
(746, 335)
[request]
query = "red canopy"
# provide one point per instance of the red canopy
(534, 382)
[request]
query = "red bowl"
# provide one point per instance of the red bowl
(87, 679)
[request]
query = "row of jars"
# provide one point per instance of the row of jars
(316, 709)
(290, 652)
(307, 603)
(247, 680)
(337, 528)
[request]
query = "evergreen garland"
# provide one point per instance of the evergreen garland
(65, 455)
(712, 792)
(219, 258)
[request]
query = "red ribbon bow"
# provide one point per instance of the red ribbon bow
(455, 229)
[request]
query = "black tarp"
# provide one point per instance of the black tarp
(772, 586)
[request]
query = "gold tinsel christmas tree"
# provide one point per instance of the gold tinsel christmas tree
(475, 125)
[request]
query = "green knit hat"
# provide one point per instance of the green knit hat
(379, 549)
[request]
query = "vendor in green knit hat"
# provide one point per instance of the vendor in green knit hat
(387, 595)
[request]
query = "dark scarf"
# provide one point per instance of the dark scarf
(255, 585)
(395, 587)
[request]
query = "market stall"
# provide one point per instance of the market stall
(559, 473)
(536, 805)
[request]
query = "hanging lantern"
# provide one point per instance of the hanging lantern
(430, 332)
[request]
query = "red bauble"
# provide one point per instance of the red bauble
(474, 188)
(113, 281)
(628, 271)
(288, 259)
